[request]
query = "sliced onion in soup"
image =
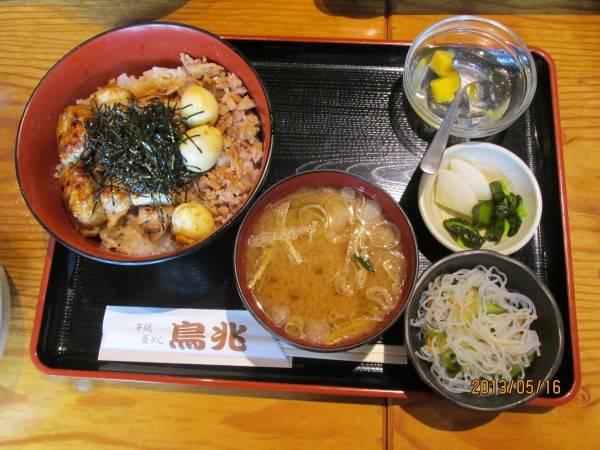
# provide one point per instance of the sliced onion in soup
(375, 312)
(337, 318)
(312, 214)
(351, 329)
(340, 214)
(381, 296)
(279, 314)
(370, 211)
(351, 278)
(371, 311)
(295, 326)
(342, 285)
(384, 235)
(316, 331)
(360, 277)
(348, 193)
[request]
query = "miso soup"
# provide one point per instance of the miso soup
(326, 264)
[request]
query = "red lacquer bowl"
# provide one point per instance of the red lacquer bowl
(322, 178)
(78, 74)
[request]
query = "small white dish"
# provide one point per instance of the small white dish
(495, 162)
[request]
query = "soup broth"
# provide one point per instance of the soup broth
(325, 264)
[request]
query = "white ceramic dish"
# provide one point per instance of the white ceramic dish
(495, 162)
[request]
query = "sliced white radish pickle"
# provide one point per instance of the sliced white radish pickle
(473, 177)
(454, 193)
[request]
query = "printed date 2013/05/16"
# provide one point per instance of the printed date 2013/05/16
(520, 387)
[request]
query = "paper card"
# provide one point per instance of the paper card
(212, 337)
(188, 336)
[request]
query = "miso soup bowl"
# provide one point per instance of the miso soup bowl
(133, 50)
(323, 178)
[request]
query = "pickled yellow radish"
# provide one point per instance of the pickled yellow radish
(472, 91)
(443, 89)
(454, 79)
(454, 193)
(441, 62)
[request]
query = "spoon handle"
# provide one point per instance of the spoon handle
(433, 156)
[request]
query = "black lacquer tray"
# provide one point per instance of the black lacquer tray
(335, 105)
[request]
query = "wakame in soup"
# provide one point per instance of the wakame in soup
(325, 264)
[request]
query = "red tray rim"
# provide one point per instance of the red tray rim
(326, 389)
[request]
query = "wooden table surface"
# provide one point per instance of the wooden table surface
(37, 411)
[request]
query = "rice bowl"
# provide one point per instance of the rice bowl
(123, 50)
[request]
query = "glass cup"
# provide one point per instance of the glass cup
(483, 51)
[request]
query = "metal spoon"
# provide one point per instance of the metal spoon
(433, 156)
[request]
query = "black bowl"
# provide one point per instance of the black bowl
(549, 326)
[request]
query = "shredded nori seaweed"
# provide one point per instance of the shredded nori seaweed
(136, 148)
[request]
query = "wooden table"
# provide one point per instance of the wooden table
(41, 412)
